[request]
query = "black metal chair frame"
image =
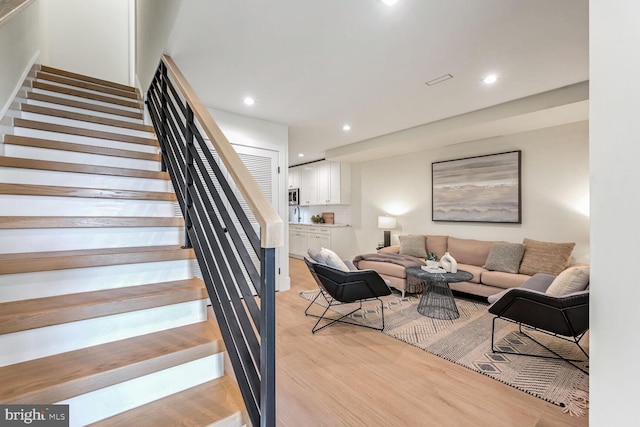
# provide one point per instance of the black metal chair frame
(573, 337)
(370, 287)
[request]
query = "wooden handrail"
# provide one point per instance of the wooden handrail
(271, 225)
(10, 8)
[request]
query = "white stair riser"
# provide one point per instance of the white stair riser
(84, 124)
(107, 402)
(80, 158)
(86, 140)
(66, 239)
(82, 89)
(16, 287)
(81, 99)
(41, 342)
(16, 205)
(79, 110)
(82, 180)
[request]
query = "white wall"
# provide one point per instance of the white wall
(555, 190)
(154, 22)
(250, 132)
(18, 52)
(615, 212)
(87, 37)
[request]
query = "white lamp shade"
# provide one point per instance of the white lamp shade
(387, 222)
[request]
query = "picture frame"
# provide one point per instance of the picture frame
(478, 189)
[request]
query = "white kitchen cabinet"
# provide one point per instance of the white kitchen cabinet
(324, 183)
(337, 238)
(294, 177)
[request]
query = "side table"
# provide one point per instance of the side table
(437, 299)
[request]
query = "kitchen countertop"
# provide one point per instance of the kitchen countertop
(319, 225)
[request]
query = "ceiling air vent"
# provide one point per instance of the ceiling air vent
(439, 80)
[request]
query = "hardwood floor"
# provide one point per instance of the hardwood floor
(350, 376)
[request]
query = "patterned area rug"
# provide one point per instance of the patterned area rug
(467, 342)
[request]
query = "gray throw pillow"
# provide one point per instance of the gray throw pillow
(505, 257)
(413, 245)
(317, 256)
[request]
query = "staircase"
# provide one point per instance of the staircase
(99, 307)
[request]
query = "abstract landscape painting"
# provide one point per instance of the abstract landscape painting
(477, 189)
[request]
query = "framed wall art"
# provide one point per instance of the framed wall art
(477, 189)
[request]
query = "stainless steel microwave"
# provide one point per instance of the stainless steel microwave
(294, 196)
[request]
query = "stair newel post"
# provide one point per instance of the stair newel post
(163, 114)
(268, 338)
(188, 175)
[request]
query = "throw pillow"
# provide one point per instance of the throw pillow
(333, 260)
(572, 279)
(505, 257)
(413, 245)
(545, 257)
(317, 256)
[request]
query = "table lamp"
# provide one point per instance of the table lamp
(387, 223)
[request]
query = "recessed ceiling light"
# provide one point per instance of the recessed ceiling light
(389, 2)
(346, 128)
(490, 79)
(249, 101)
(301, 155)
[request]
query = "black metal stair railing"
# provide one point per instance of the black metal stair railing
(235, 261)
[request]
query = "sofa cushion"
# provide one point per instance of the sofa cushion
(469, 251)
(333, 260)
(437, 244)
(538, 282)
(500, 279)
(393, 249)
(386, 268)
(545, 257)
(572, 279)
(505, 257)
(413, 245)
(473, 269)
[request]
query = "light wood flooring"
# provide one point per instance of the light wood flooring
(350, 376)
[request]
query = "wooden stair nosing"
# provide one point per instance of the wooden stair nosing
(41, 312)
(90, 193)
(207, 404)
(86, 95)
(48, 165)
(41, 97)
(27, 141)
(55, 378)
(79, 131)
(83, 84)
(52, 70)
(64, 114)
(27, 222)
(63, 260)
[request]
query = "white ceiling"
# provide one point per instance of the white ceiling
(315, 65)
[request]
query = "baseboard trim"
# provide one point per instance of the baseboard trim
(31, 66)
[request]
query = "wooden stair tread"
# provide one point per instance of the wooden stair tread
(83, 84)
(64, 114)
(18, 222)
(77, 76)
(62, 260)
(86, 95)
(90, 133)
(41, 312)
(27, 141)
(94, 193)
(84, 105)
(62, 376)
(19, 162)
(216, 401)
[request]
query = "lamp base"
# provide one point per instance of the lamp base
(387, 238)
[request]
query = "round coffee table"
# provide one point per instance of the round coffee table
(437, 299)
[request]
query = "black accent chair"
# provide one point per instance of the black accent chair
(565, 317)
(338, 287)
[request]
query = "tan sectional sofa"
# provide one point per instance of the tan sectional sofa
(472, 255)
